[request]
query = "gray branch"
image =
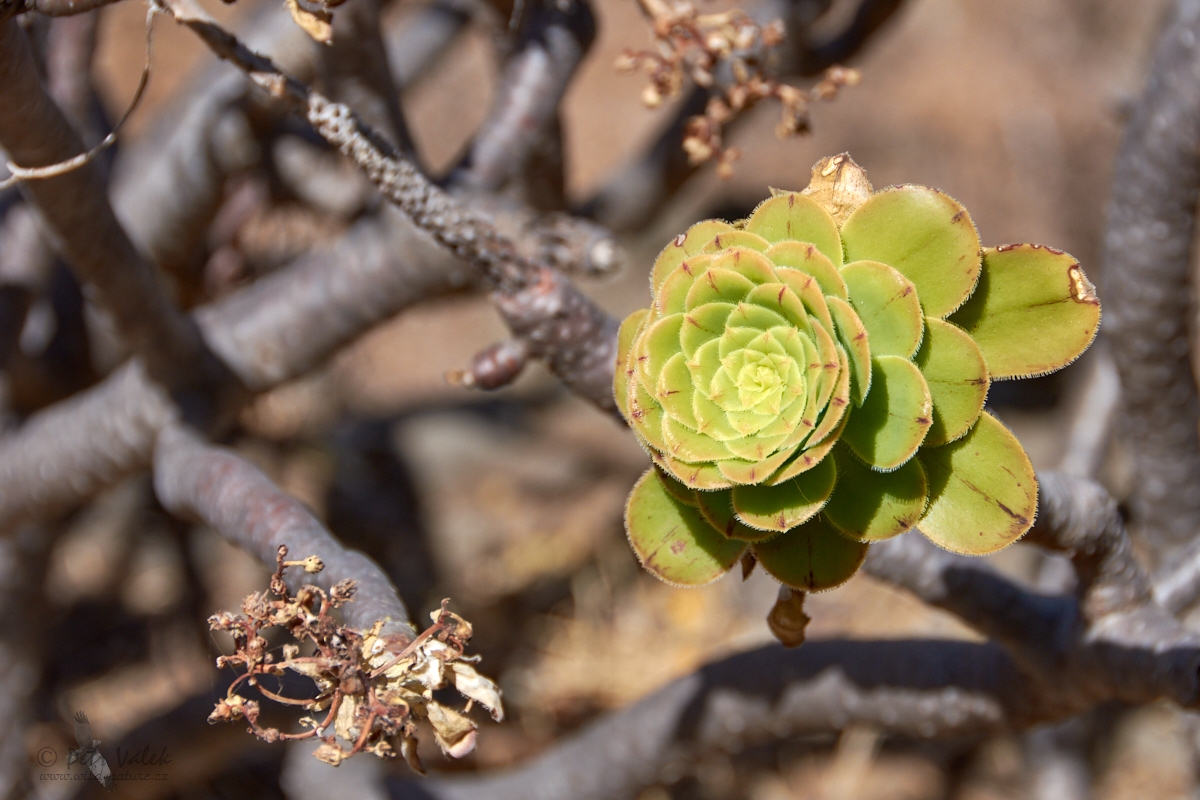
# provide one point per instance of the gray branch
(919, 688)
(75, 208)
(1146, 286)
(63, 455)
(218, 487)
(553, 41)
(356, 70)
(575, 338)
(1050, 658)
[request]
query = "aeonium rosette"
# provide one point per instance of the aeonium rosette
(812, 379)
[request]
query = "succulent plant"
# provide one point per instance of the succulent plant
(812, 379)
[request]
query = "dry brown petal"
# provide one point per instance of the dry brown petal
(482, 690)
(455, 733)
(329, 753)
(774, 33)
(316, 24)
(787, 619)
(408, 748)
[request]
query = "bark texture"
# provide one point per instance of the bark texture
(1146, 288)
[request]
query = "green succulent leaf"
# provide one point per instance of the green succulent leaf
(808, 289)
(717, 509)
(675, 391)
(808, 258)
(704, 324)
(672, 295)
(871, 506)
(892, 422)
(926, 235)
(792, 217)
(812, 558)
(689, 446)
(702, 477)
(982, 490)
(887, 304)
(672, 540)
(677, 490)
(958, 380)
(717, 285)
(625, 336)
(1033, 312)
(735, 238)
(745, 261)
(807, 458)
(854, 339)
(745, 473)
(836, 405)
(684, 245)
(785, 505)
(656, 345)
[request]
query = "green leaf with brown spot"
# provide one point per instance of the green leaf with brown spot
(1033, 312)
(684, 245)
(672, 540)
(804, 461)
(736, 238)
(717, 509)
(655, 346)
(676, 489)
(745, 473)
(891, 424)
(747, 262)
(794, 217)
(982, 490)
(625, 336)
(812, 558)
(871, 506)
(887, 304)
(701, 477)
(928, 236)
(689, 446)
(856, 342)
(718, 285)
(954, 368)
(671, 297)
(674, 391)
(806, 258)
(808, 290)
(702, 325)
(787, 504)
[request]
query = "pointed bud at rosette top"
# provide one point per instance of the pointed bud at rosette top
(812, 379)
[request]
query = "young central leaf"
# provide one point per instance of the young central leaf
(759, 383)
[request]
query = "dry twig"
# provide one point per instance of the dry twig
(75, 206)
(571, 334)
(729, 54)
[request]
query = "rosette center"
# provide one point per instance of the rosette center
(759, 383)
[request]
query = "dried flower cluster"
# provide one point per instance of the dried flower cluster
(729, 53)
(373, 687)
